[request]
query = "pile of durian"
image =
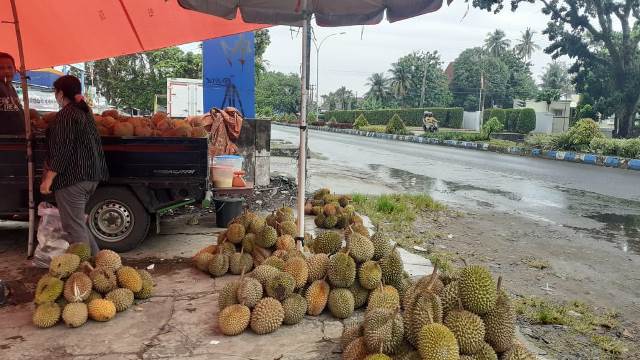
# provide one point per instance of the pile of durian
(459, 315)
(78, 288)
(330, 211)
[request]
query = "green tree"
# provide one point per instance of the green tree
(526, 46)
(261, 42)
(556, 76)
(417, 71)
(345, 99)
(378, 88)
(548, 96)
(278, 93)
(496, 43)
(602, 37)
(401, 81)
(505, 79)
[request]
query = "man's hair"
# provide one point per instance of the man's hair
(4, 55)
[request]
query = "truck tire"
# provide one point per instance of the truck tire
(117, 219)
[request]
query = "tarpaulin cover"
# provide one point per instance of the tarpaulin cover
(327, 12)
(56, 32)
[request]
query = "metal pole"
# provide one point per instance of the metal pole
(302, 153)
(317, 82)
(27, 128)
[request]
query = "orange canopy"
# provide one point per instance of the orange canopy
(56, 32)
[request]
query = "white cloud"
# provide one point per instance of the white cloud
(348, 60)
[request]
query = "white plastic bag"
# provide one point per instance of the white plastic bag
(51, 238)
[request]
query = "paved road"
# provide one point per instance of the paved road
(584, 197)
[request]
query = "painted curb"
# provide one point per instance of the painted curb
(571, 156)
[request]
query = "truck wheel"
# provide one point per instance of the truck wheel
(117, 219)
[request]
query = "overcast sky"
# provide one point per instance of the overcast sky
(349, 60)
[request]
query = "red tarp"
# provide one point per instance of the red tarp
(56, 32)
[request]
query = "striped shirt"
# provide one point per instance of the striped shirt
(74, 149)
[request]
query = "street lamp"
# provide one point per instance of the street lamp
(318, 46)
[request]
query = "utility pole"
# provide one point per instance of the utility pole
(318, 46)
(480, 100)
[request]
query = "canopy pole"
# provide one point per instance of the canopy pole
(27, 128)
(304, 84)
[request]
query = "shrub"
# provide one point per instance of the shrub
(492, 126)
(360, 122)
(513, 120)
(581, 134)
(396, 126)
(447, 117)
(526, 122)
(500, 114)
(374, 128)
(456, 135)
(541, 141)
(628, 148)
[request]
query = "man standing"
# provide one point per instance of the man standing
(11, 113)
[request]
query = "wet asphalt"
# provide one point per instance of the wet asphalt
(601, 201)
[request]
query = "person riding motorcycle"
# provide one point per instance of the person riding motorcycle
(429, 122)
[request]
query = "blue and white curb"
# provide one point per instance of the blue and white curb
(570, 156)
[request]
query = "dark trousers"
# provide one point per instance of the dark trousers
(71, 202)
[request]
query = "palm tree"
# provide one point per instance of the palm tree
(378, 87)
(344, 97)
(525, 47)
(401, 81)
(496, 43)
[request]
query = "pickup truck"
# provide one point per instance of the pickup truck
(148, 176)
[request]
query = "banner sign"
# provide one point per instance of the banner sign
(229, 73)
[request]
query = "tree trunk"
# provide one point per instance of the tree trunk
(625, 119)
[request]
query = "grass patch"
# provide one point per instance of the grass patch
(536, 263)
(456, 135)
(374, 128)
(503, 144)
(577, 316)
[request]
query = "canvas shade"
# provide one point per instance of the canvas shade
(327, 12)
(56, 32)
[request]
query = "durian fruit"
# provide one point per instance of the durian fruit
(344, 200)
(104, 279)
(356, 350)
(129, 278)
(378, 356)
(341, 303)
(271, 220)
(295, 306)
(249, 243)
(383, 330)
(285, 242)
(386, 297)
(477, 290)
(351, 331)
(436, 286)
(298, 268)
(317, 296)
(240, 262)
(75, 314)
(360, 247)
(319, 220)
(227, 248)
(327, 242)
(229, 294)
(219, 265)
(94, 295)
(281, 286)
(256, 225)
(403, 286)
(360, 294)
(381, 245)
(370, 275)
(392, 267)
(330, 221)
(486, 352)
(449, 276)
(468, 329)
(425, 310)
(264, 273)
(101, 310)
(49, 289)
(288, 228)
(235, 233)
(249, 292)
(46, 315)
(147, 285)
(407, 352)
(320, 193)
(63, 265)
(500, 322)
(343, 221)
(357, 228)
(122, 298)
(81, 249)
(341, 270)
(77, 288)
(518, 352)
(108, 259)
(267, 237)
(267, 316)
(234, 319)
(316, 210)
(284, 213)
(329, 209)
(317, 265)
(275, 261)
(202, 260)
(449, 297)
(436, 341)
